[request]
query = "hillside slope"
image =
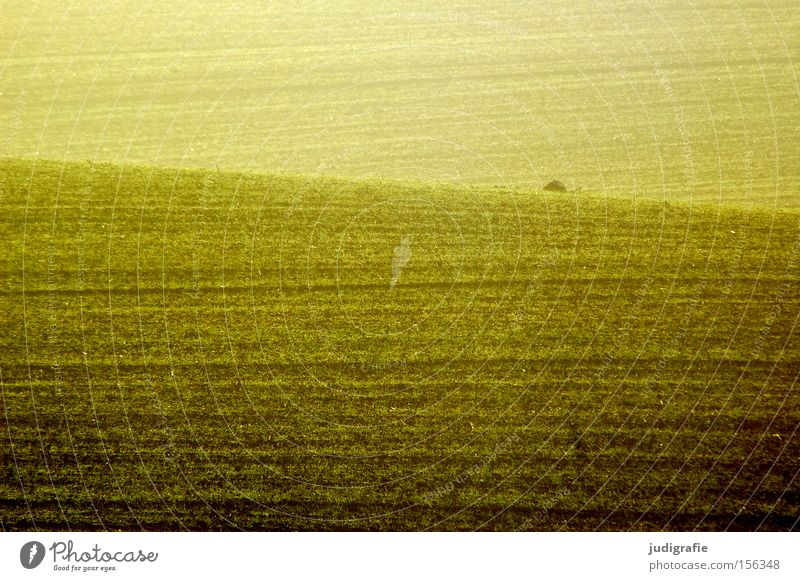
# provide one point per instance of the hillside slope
(680, 99)
(188, 349)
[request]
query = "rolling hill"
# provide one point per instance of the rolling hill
(213, 350)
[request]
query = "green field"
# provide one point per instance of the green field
(291, 266)
(215, 350)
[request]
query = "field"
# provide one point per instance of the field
(291, 267)
(697, 100)
(215, 350)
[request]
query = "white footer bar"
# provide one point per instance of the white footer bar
(388, 556)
